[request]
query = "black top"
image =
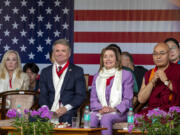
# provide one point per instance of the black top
(139, 72)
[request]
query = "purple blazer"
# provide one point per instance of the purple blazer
(127, 93)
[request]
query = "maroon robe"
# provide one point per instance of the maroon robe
(160, 94)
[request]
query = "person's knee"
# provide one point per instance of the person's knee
(106, 119)
(94, 120)
(94, 117)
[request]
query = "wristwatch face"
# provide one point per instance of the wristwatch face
(166, 83)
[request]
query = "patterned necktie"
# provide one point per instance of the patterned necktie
(58, 71)
(59, 68)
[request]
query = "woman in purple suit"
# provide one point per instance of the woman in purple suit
(112, 92)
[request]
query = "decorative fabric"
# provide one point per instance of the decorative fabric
(152, 73)
(60, 70)
(116, 89)
(10, 84)
(109, 80)
(58, 81)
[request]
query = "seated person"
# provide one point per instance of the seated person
(174, 54)
(112, 91)
(11, 75)
(32, 70)
(160, 87)
(139, 71)
(62, 84)
(135, 85)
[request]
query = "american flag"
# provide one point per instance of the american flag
(31, 26)
(135, 25)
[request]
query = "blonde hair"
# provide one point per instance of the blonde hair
(117, 55)
(3, 64)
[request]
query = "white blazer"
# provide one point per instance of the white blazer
(21, 83)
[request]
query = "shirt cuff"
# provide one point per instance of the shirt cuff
(45, 106)
(68, 107)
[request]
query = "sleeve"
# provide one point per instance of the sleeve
(80, 89)
(68, 107)
(94, 102)
(127, 95)
(43, 89)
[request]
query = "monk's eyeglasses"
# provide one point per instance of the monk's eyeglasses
(159, 54)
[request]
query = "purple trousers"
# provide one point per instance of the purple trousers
(106, 121)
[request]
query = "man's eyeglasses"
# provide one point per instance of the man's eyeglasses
(159, 54)
(172, 48)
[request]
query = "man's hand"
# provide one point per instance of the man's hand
(162, 75)
(155, 78)
(61, 111)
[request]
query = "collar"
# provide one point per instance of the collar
(57, 65)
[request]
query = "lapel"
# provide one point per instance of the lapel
(66, 78)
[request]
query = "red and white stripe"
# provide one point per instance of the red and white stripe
(135, 25)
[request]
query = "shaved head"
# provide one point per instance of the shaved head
(162, 45)
(161, 55)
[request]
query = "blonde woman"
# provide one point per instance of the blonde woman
(11, 75)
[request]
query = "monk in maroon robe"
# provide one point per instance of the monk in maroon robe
(161, 85)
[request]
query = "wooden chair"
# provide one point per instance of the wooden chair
(27, 98)
(86, 76)
(86, 102)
